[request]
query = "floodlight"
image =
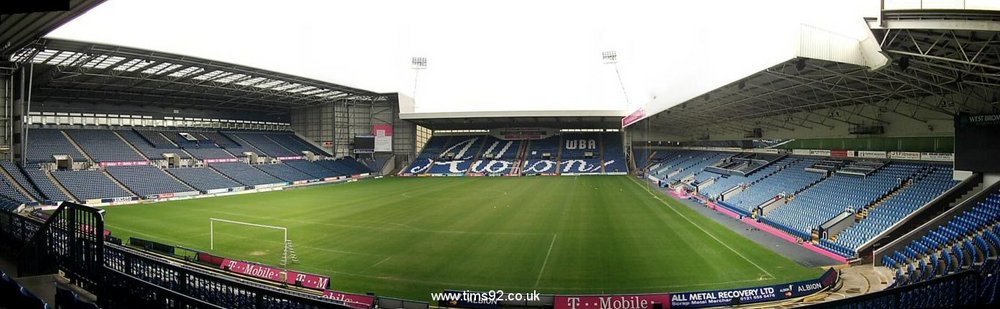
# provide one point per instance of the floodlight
(419, 63)
(609, 56)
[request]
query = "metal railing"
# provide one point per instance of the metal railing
(69, 241)
(956, 290)
(940, 5)
(72, 241)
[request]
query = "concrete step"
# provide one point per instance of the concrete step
(43, 286)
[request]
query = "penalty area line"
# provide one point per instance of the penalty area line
(702, 229)
(377, 264)
(546, 261)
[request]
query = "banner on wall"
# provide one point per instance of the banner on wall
(277, 275)
(766, 150)
(871, 154)
(633, 117)
(841, 153)
(639, 301)
(904, 155)
(932, 156)
(383, 137)
(124, 163)
(356, 301)
(222, 160)
(811, 152)
(753, 295)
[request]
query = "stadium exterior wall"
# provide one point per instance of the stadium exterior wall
(334, 125)
(404, 137)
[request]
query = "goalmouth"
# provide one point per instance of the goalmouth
(287, 254)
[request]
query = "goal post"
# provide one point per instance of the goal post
(284, 243)
(211, 228)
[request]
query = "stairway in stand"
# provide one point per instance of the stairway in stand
(478, 157)
(77, 146)
(559, 157)
(119, 183)
(18, 186)
(62, 188)
(601, 151)
(519, 160)
(130, 146)
(446, 145)
(178, 180)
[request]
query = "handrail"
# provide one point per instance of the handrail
(933, 222)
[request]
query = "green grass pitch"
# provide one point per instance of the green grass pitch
(408, 237)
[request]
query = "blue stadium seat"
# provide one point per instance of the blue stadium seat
(203, 179)
(788, 179)
(426, 157)
(45, 185)
(295, 144)
(203, 152)
(103, 145)
(146, 180)
(354, 166)
(925, 187)
(614, 153)
(44, 143)
(264, 144)
(151, 144)
(497, 156)
(284, 172)
(964, 244)
(89, 184)
(827, 199)
(245, 174)
(314, 169)
(15, 172)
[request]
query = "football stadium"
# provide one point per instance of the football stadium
(567, 155)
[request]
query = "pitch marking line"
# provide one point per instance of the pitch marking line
(178, 242)
(457, 284)
(546, 261)
(402, 227)
(376, 264)
(702, 229)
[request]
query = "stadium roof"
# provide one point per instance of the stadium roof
(75, 71)
(506, 119)
(20, 24)
(942, 63)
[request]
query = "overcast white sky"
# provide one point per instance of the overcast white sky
(498, 55)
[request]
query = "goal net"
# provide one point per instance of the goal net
(265, 244)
